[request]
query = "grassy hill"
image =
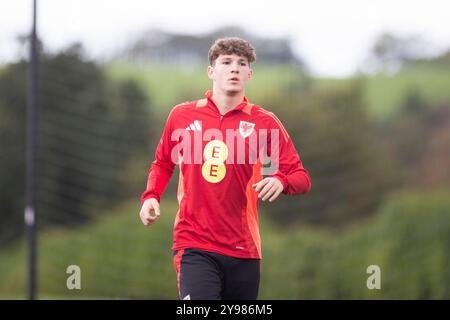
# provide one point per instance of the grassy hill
(383, 94)
(168, 85)
(409, 239)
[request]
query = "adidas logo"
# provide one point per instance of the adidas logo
(196, 125)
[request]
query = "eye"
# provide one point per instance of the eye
(243, 64)
(226, 62)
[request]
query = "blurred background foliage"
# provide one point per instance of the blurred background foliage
(377, 147)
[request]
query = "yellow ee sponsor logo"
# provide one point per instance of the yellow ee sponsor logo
(215, 152)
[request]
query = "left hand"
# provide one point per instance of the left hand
(268, 187)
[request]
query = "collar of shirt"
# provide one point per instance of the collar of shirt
(244, 106)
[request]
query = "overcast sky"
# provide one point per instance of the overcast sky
(333, 37)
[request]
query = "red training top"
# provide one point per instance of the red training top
(220, 158)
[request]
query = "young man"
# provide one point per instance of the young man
(222, 144)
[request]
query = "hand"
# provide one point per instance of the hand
(271, 187)
(149, 205)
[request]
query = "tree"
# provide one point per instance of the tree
(88, 132)
(391, 52)
(351, 171)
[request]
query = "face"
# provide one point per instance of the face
(230, 73)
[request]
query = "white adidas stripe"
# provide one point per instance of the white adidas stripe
(196, 125)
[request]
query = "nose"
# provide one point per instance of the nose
(235, 67)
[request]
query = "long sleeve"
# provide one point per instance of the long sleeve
(294, 177)
(162, 167)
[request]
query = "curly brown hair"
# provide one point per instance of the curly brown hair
(231, 45)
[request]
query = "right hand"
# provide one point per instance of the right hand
(149, 205)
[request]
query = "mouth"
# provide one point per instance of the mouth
(234, 79)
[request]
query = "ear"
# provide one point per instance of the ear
(210, 72)
(250, 74)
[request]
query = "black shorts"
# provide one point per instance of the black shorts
(204, 275)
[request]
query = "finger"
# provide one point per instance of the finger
(152, 213)
(263, 192)
(269, 193)
(275, 195)
(150, 220)
(261, 184)
(147, 218)
(156, 207)
(142, 219)
(266, 188)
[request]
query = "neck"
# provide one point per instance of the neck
(225, 101)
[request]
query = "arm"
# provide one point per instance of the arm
(162, 168)
(159, 175)
(291, 173)
(290, 176)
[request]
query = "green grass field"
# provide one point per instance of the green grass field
(121, 259)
